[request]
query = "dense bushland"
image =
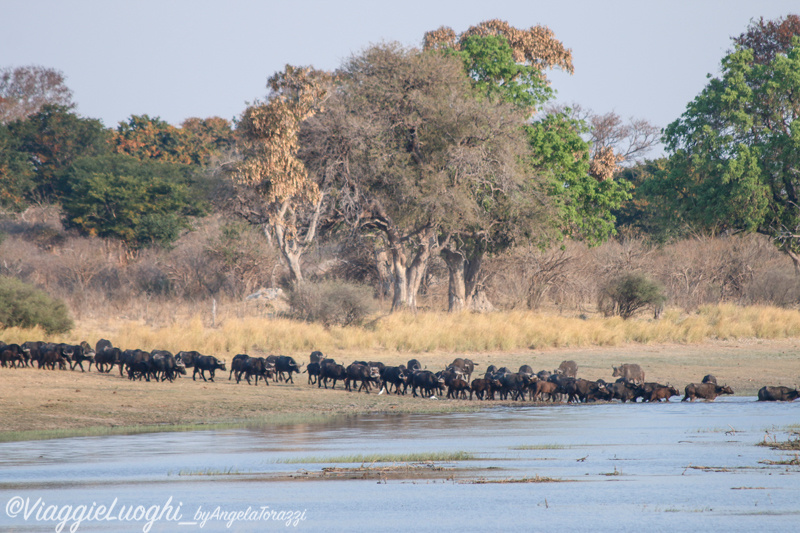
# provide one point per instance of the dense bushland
(223, 261)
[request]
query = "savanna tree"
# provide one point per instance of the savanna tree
(735, 150)
(408, 152)
(278, 193)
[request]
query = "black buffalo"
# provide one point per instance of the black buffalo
(466, 366)
(206, 362)
(365, 374)
(333, 371)
(777, 394)
(12, 355)
(458, 387)
(313, 372)
(705, 391)
(163, 366)
(427, 382)
(394, 375)
(624, 391)
(237, 365)
(77, 354)
(284, 365)
(255, 366)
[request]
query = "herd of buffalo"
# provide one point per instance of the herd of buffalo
(456, 379)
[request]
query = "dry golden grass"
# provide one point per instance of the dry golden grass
(431, 332)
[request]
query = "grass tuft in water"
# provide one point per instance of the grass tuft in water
(535, 479)
(540, 447)
(230, 471)
(792, 444)
(386, 458)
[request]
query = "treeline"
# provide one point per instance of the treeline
(439, 177)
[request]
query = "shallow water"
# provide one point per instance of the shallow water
(620, 466)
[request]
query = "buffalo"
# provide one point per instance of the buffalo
(456, 388)
(542, 389)
(31, 352)
(139, 365)
(483, 388)
(12, 355)
(629, 372)
(705, 391)
(363, 373)
(163, 366)
(777, 394)
(466, 366)
(426, 381)
(567, 368)
(313, 372)
(330, 370)
(237, 365)
(624, 391)
(77, 354)
(662, 392)
(526, 369)
(106, 355)
(394, 375)
(50, 356)
(206, 362)
(255, 366)
(284, 364)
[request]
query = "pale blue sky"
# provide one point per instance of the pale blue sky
(181, 58)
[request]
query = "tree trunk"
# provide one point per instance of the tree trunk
(385, 276)
(293, 262)
(456, 292)
(400, 296)
(416, 270)
(464, 280)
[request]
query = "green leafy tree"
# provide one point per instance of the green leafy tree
(489, 61)
(52, 139)
(16, 172)
(583, 204)
(645, 214)
(139, 202)
(735, 151)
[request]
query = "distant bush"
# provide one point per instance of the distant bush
(332, 303)
(23, 305)
(629, 293)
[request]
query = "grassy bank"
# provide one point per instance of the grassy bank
(42, 404)
(745, 348)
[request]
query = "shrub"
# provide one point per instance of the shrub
(628, 293)
(331, 303)
(25, 306)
